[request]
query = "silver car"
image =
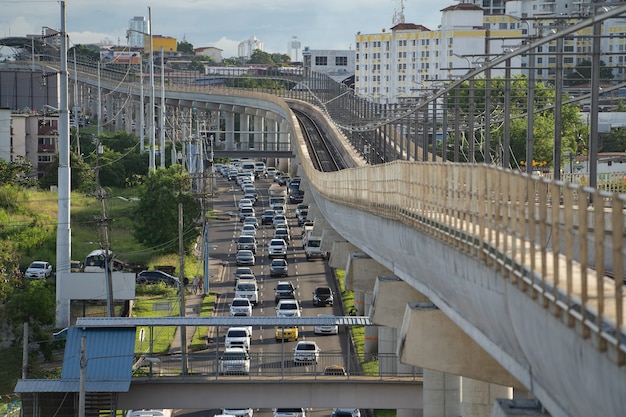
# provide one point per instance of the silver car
(245, 257)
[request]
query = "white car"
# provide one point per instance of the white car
(238, 412)
(245, 202)
(149, 413)
(277, 248)
(248, 230)
(326, 329)
(235, 361)
(288, 308)
(279, 218)
(241, 307)
(238, 337)
(306, 351)
(39, 269)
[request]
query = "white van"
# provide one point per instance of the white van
(247, 166)
(259, 169)
(247, 289)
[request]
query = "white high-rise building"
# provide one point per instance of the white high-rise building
(410, 58)
(248, 46)
(137, 26)
(293, 48)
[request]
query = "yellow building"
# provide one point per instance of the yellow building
(168, 44)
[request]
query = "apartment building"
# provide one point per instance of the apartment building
(410, 58)
(30, 135)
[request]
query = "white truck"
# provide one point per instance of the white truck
(312, 246)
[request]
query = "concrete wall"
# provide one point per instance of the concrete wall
(545, 356)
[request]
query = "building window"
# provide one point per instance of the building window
(341, 61)
(44, 158)
(46, 141)
(323, 60)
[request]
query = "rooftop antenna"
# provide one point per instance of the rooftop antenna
(398, 14)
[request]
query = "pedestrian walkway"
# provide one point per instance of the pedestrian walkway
(193, 305)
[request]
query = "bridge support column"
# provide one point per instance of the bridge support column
(284, 136)
(388, 344)
(108, 113)
(514, 408)
(244, 131)
(370, 347)
(229, 118)
(340, 252)
(258, 128)
(441, 394)
(477, 397)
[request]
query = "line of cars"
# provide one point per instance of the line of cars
(237, 341)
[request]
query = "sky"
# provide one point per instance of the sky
(318, 24)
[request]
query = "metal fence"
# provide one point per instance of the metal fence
(337, 366)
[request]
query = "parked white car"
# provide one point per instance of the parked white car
(39, 269)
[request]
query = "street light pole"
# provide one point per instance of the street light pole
(152, 100)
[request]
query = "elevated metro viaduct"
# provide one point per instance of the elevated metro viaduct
(444, 308)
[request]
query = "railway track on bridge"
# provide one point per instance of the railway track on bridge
(325, 155)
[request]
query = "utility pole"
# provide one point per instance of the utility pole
(181, 277)
(104, 221)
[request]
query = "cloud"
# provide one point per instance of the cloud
(319, 24)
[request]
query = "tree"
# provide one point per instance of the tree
(157, 211)
(260, 57)
(543, 127)
(184, 46)
(16, 173)
(582, 73)
(82, 174)
(89, 53)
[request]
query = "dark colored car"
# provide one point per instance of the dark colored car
(284, 290)
(296, 197)
(156, 277)
(322, 296)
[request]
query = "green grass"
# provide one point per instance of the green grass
(199, 337)
(358, 336)
(147, 298)
(162, 336)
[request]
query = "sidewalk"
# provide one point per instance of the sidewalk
(193, 305)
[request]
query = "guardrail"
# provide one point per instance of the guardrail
(559, 243)
(279, 365)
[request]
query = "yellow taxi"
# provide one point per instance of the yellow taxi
(286, 333)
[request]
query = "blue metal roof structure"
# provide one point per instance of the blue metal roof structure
(109, 353)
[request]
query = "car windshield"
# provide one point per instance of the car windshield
(246, 287)
(277, 242)
(283, 287)
(237, 333)
(290, 306)
(279, 262)
(246, 239)
(233, 356)
(323, 291)
(306, 346)
(37, 265)
(241, 303)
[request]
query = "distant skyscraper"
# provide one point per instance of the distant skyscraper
(248, 46)
(293, 46)
(137, 26)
